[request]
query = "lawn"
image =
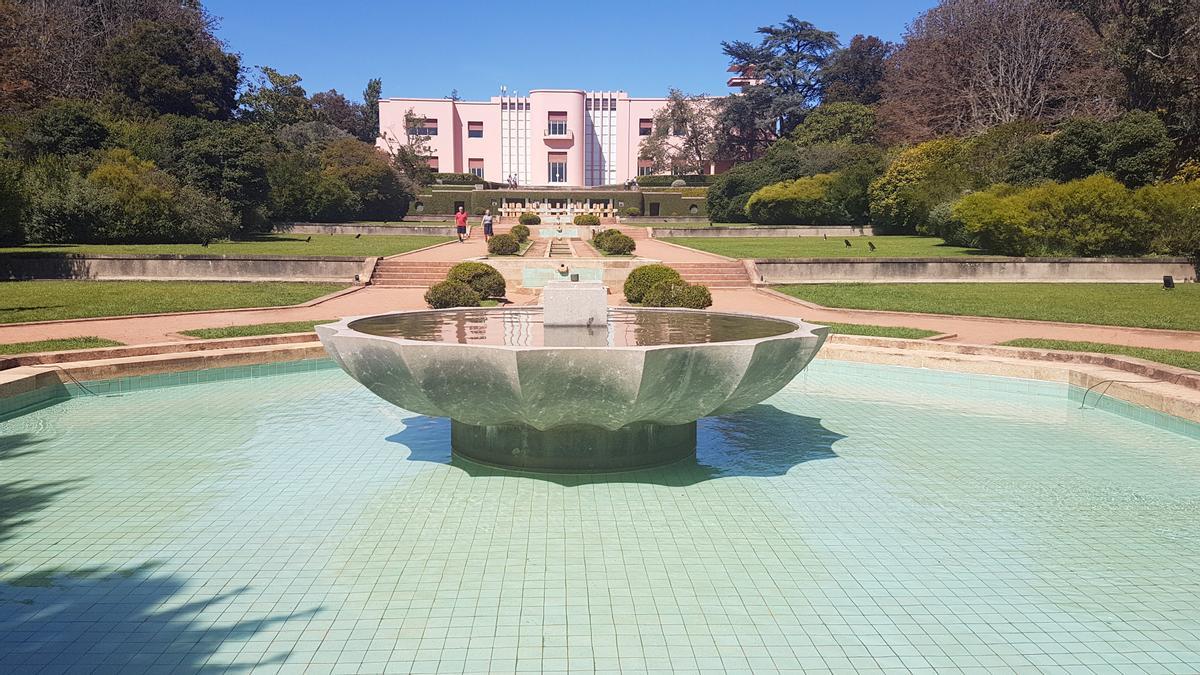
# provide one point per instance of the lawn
(65, 344)
(1171, 357)
(267, 244)
(1139, 305)
(880, 331)
(22, 301)
(254, 329)
(816, 247)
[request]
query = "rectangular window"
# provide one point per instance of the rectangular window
(557, 124)
(645, 167)
(645, 126)
(475, 166)
(425, 127)
(433, 163)
(556, 167)
(474, 129)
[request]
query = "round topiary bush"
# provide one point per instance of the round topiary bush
(679, 182)
(450, 293)
(618, 244)
(520, 232)
(598, 238)
(528, 218)
(641, 279)
(503, 244)
(587, 220)
(678, 294)
(631, 212)
(481, 277)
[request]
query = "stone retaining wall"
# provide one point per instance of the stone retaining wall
(534, 272)
(764, 231)
(966, 269)
(364, 228)
(185, 267)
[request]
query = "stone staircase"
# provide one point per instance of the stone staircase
(409, 273)
(715, 274)
(559, 248)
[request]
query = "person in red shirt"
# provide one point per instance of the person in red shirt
(460, 220)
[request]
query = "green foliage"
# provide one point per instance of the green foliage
(450, 293)
(728, 195)
(804, 201)
(481, 277)
(521, 232)
(503, 244)
(1076, 149)
(171, 68)
(371, 96)
(1091, 216)
(678, 294)
(837, 123)
(1174, 209)
(528, 219)
(346, 180)
(587, 220)
(920, 178)
(854, 74)
(456, 179)
(380, 192)
(631, 212)
(641, 279)
(64, 127)
(275, 100)
(613, 242)
(693, 180)
(12, 202)
(1137, 148)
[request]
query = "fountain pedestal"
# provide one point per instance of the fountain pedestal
(574, 448)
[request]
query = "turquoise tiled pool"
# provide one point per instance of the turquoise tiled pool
(867, 518)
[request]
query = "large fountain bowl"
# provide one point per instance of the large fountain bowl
(507, 394)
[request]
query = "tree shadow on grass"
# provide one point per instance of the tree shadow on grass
(760, 441)
(58, 618)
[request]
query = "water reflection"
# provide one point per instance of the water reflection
(760, 441)
(522, 327)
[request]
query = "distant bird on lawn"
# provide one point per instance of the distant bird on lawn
(825, 236)
(358, 235)
(848, 244)
(871, 245)
(204, 243)
(309, 239)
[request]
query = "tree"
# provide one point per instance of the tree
(64, 127)
(382, 193)
(370, 128)
(788, 58)
(411, 153)
(970, 64)
(275, 100)
(841, 123)
(684, 138)
(161, 68)
(920, 178)
(745, 126)
(332, 108)
(1155, 46)
(854, 74)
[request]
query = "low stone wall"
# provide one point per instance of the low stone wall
(765, 231)
(535, 272)
(884, 270)
(364, 228)
(185, 267)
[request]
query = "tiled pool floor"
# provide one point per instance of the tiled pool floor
(867, 519)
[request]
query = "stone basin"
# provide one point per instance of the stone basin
(617, 396)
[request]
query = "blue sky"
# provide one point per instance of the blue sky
(425, 49)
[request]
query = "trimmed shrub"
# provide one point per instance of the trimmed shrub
(599, 237)
(616, 244)
(503, 244)
(678, 183)
(804, 201)
(641, 279)
(451, 293)
(1088, 217)
(678, 294)
(1137, 148)
(456, 179)
(587, 220)
(631, 212)
(483, 278)
(942, 223)
(842, 123)
(528, 219)
(920, 178)
(1175, 209)
(521, 233)
(12, 202)
(667, 181)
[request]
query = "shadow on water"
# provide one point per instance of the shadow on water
(62, 619)
(760, 441)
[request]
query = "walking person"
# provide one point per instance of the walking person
(460, 221)
(487, 225)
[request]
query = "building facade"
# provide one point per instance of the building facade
(551, 137)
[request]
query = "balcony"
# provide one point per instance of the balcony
(553, 134)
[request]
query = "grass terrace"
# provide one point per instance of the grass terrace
(22, 301)
(61, 345)
(896, 246)
(267, 244)
(254, 329)
(880, 331)
(1171, 357)
(1131, 305)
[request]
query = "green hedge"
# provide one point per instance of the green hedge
(640, 280)
(456, 179)
(450, 293)
(692, 180)
(503, 244)
(804, 201)
(678, 294)
(481, 277)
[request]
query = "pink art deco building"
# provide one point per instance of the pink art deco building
(552, 137)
